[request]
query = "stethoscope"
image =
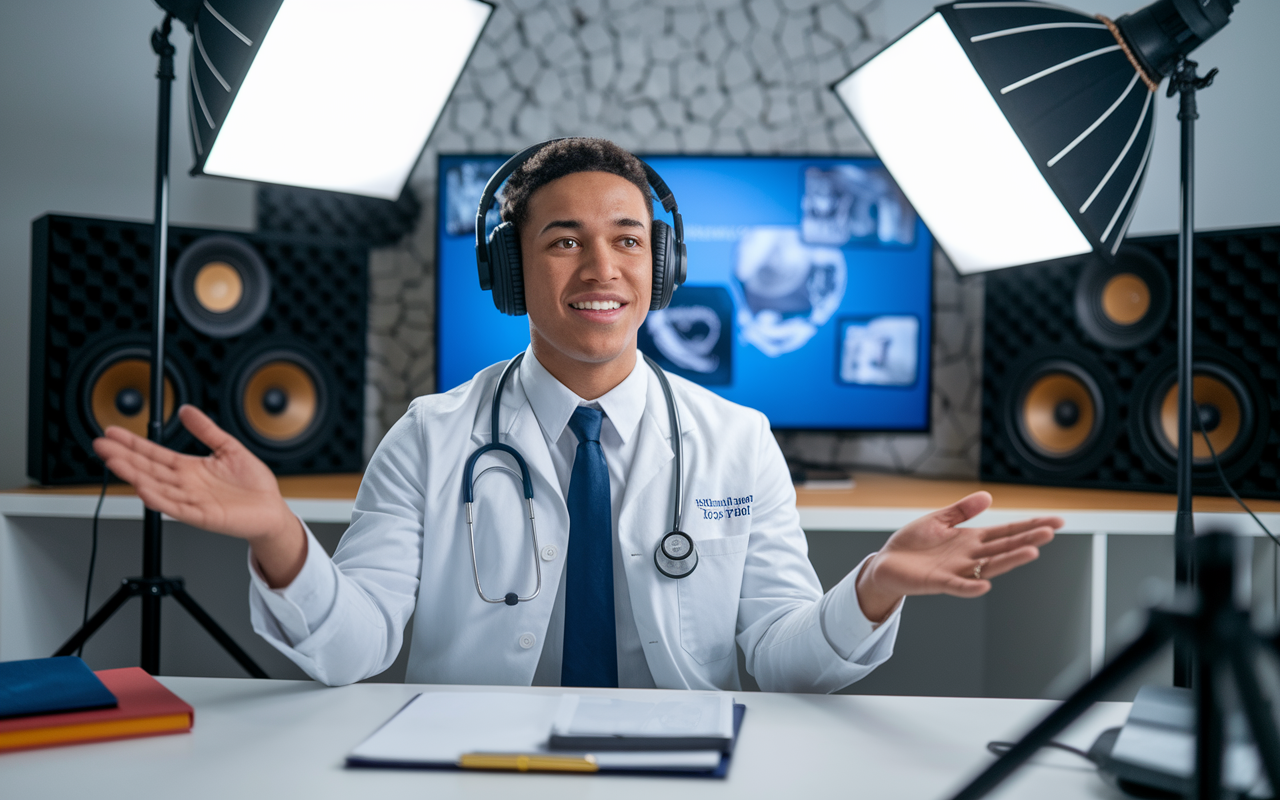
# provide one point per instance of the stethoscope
(675, 557)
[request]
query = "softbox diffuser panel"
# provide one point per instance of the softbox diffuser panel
(325, 94)
(931, 119)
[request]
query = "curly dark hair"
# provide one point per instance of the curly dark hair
(566, 157)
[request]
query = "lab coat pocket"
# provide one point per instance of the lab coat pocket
(709, 598)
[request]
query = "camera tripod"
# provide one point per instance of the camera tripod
(1225, 651)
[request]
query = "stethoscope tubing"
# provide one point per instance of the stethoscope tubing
(468, 494)
(468, 484)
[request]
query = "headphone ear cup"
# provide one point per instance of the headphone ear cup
(664, 262)
(508, 274)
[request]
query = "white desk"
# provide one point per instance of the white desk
(287, 739)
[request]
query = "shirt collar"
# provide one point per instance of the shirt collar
(554, 403)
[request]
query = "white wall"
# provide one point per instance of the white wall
(77, 136)
(1237, 158)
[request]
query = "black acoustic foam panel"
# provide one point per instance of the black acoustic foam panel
(91, 289)
(312, 212)
(1030, 312)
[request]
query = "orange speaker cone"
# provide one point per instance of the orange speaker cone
(1058, 414)
(218, 287)
(280, 401)
(121, 396)
(1126, 299)
(1208, 391)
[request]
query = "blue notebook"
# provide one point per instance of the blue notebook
(50, 686)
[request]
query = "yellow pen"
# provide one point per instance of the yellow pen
(524, 762)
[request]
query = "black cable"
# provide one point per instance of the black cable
(1000, 748)
(93, 554)
(1195, 410)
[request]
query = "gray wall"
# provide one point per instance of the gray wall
(731, 76)
(77, 136)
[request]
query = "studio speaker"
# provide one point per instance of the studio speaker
(264, 331)
(1080, 373)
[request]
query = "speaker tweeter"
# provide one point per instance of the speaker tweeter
(221, 286)
(1125, 304)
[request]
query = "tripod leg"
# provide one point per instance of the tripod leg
(103, 614)
(219, 635)
(1209, 735)
(1257, 708)
(1123, 665)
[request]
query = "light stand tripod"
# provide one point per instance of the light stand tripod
(153, 586)
(1224, 646)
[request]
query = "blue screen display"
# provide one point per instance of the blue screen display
(808, 297)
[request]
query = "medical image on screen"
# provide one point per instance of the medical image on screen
(789, 289)
(693, 337)
(464, 184)
(881, 351)
(809, 291)
(849, 204)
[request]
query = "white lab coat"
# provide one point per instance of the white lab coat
(408, 548)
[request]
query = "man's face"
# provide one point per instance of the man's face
(588, 269)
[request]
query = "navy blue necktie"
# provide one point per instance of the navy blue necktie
(590, 640)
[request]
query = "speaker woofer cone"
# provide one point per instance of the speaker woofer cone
(117, 391)
(1219, 394)
(281, 399)
(1233, 405)
(1058, 412)
(221, 286)
(1125, 304)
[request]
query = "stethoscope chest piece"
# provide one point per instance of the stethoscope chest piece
(676, 557)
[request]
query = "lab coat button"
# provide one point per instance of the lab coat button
(550, 552)
(527, 640)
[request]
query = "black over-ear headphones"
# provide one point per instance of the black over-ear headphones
(498, 259)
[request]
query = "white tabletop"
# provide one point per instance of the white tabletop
(288, 739)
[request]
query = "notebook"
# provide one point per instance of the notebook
(693, 721)
(145, 708)
(50, 686)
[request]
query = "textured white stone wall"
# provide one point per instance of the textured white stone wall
(669, 76)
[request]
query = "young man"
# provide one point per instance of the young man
(590, 419)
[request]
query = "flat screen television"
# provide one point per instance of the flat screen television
(808, 297)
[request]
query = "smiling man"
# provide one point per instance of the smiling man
(581, 600)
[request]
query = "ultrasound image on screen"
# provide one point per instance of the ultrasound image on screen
(789, 289)
(882, 351)
(693, 337)
(848, 204)
(464, 184)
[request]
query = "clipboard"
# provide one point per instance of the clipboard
(508, 731)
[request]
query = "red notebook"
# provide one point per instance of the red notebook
(146, 708)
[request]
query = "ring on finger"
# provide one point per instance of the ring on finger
(977, 569)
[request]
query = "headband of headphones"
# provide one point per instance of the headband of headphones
(664, 195)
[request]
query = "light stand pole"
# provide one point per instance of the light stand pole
(1186, 83)
(152, 525)
(152, 586)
